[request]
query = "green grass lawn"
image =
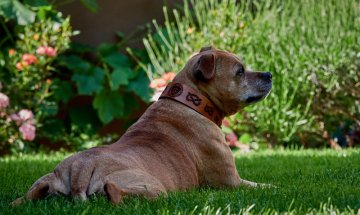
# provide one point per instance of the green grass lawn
(308, 181)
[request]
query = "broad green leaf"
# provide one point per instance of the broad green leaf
(140, 86)
(105, 49)
(36, 3)
(109, 104)
(92, 5)
(89, 82)
(13, 9)
(7, 9)
(81, 48)
(120, 77)
(226, 130)
(43, 12)
(62, 90)
(131, 103)
(117, 60)
(245, 138)
(75, 63)
(84, 117)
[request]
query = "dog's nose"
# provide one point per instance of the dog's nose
(266, 76)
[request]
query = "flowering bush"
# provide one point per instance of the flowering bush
(28, 71)
(16, 128)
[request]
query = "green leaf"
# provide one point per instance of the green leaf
(36, 3)
(62, 90)
(89, 82)
(13, 9)
(140, 86)
(117, 60)
(81, 48)
(24, 15)
(226, 130)
(131, 104)
(53, 128)
(105, 49)
(245, 138)
(120, 77)
(109, 104)
(92, 5)
(75, 63)
(85, 117)
(48, 108)
(44, 12)
(120, 35)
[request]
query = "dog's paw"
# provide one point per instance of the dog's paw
(18, 201)
(266, 186)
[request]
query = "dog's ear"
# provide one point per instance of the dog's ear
(205, 67)
(207, 48)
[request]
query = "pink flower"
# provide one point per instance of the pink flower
(14, 117)
(158, 83)
(231, 138)
(169, 76)
(25, 115)
(29, 59)
(27, 131)
(46, 50)
(4, 101)
(225, 122)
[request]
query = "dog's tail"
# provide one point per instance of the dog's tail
(38, 190)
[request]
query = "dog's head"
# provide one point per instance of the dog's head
(224, 78)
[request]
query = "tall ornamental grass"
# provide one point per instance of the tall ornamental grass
(306, 44)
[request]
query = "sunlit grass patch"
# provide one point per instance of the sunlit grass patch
(308, 181)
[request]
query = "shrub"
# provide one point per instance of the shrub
(298, 41)
(72, 89)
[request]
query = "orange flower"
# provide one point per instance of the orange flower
(29, 59)
(169, 76)
(190, 30)
(36, 36)
(11, 52)
(157, 83)
(21, 65)
(242, 25)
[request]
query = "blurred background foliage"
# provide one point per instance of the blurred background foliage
(311, 47)
(76, 92)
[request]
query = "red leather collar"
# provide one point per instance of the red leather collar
(194, 100)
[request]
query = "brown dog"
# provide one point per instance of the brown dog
(175, 145)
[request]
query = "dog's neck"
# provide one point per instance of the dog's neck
(194, 100)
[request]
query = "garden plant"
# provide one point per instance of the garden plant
(59, 95)
(311, 48)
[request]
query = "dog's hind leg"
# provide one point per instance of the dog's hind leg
(132, 183)
(39, 190)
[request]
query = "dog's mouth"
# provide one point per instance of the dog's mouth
(253, 99)
(258, 97)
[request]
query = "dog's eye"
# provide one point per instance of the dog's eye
(240, 70)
